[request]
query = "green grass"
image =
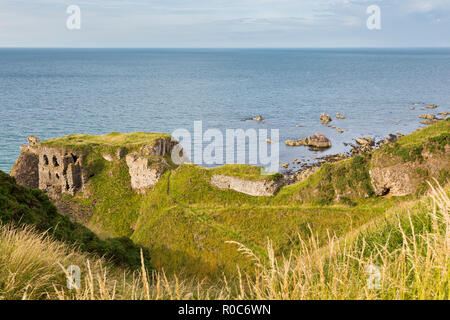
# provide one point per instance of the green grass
(106, 189)
(246, 172)
(186, 223)
(409, 148)
(420, 136)
(344, 181)
(408, 245)
(92, 147)
(113, 139)
(31, 207)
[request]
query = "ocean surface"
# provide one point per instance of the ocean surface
(55, 92)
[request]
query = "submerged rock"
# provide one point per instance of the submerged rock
(257, 118)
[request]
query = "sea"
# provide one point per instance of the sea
(56, 92)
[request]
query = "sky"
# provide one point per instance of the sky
(224, 23)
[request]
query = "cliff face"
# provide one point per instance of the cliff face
(148, 164)
(391, 175)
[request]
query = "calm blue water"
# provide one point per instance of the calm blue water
(55, 92)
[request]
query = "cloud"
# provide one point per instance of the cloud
(203, 22)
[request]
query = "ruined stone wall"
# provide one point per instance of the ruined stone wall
(148, 165)
(60, 171)
(257, 188)
(52, 170)
(143, 172)
(57, 171)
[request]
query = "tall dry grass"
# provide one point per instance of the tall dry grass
(405, 256)
(413, 266)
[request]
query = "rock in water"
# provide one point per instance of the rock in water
(318, 140)
(367, 141)
(295, 143)
(257, 118)
(432, 106)
(427, 116)
(339, 116)
(391, 138)
(428, 122)
(325, 118)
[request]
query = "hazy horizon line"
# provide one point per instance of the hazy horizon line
(287, 48)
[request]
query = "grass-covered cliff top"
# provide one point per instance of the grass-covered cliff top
(410, 147)
(246, 172)
(110, 141)
(441, 128)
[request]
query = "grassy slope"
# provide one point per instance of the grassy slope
(409, 245)
(409, 148)
(31, 207)
(246, 172)
(186, 222)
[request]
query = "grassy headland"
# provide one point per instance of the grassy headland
(185, 221)
(187, 224)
